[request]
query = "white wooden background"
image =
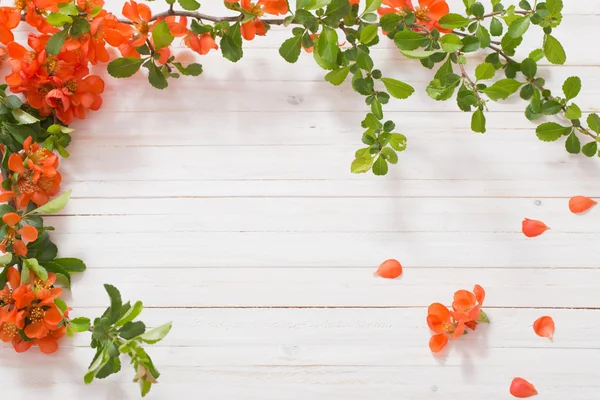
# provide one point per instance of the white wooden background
(226, 204)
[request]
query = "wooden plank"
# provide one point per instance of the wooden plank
(316, 215)
(330, 287)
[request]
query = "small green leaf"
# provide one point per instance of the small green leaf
(71, 264)
(408, 40)
(291, 48)
(590, 149)
(157, 334)
(156, 77)
(519, 26)
(451, 43)
(371, 6)
(398, 89)
(573, 112)
(390, 155)
(12, 101)
(452, 21)
(485, 71)
(6, 259)
(190, 5)
(193, 69)
(68, 9)
(124, 67)
(80, 324)
(115, 303)
(551, 131)
(478, 121)
(593, 121)
(502, 89)
(231, 43)
(380, 166)
(132, 329)
(496, 27)
(55, 43)
(554, 51)
(483, 317)
(161, 34)
(53, 206)
(131, 314)
(337, 76)
(361, 165)
(554, 7)
(328, 45)
(22, 117)
(398, 141)
(368, 34)
(33, 265)
(58, 19)
(419, 54)
(80, 27)
(336, 10)
(529, 67)
(572, 87)
(572, 144)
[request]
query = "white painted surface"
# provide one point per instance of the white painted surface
(225, 203)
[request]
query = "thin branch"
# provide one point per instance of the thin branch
(206, 17)
(499, 51)
(498, 13)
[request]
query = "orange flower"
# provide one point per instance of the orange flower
(177, 27)
(29, 189)
(201, 44)
(428, 13)
(353, 2)
(9, 20)
(395, 7)
(467, 305)
(49, 344)
(440, 322)
(36, 14)
(533, 228)
(8, 309)
(28, 233)
(280, 7)
(254, 27)
(41, 161)
(88, 6)
(38, 320)
(140, 15)
(579, 204)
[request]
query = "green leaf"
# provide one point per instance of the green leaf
(20, 132)
(62, 275)
(496, 27)
(478, 121)
(80, 27)
(519, 26)
(47, 253)
(551, 131)
(55, 43)
(193, 69)
(483, 317)
(33, 265)
(68, 9)
(593, 121)
(124, 67)
(58, 19)
(551, 107)
(157, 334)
(156, 77)
(554, 7)
(380, 166)
(572, 144)
(573, 112)
(398, 89)
(231, 43)
(80, 324)
(485, 71)
(452, 21)
(291, 48)
(54, 205)
(337, 9)
(590, 149)
(408, 39)
(554, 51)
(131, 314)
(470, 44)
(12, 101)
(390, 155)
(368, 34)
(418, 54)
(328, 45)
(502, 89)
(132, 329)
(190, 5)
(337, 76)
(451, 43)
(22, 117)
(529, 67)
(536, 55)
(371, 6)
(398, 142)
(6, 259)
(71, 264)
(572, 87)
(361, 165)
(161, 34)
(115, 303)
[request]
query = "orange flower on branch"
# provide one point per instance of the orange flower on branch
(12, 239)
(9, 20)
(140, 15)
(427, 14)
(201, 44)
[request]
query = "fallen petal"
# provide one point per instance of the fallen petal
(522, 389)
(579, 204)
(533, 228)
(389, 269)
(544, 327)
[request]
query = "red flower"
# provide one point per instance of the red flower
(13, 235)
(140, 15)
(428, 13)
(201, 44)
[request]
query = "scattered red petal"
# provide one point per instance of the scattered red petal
(522, 389)
(389, 269)
(544, 327)
(579, 204)
(533, 228)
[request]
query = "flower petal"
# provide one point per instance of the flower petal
(29, 233)
(579, 204)
(479, 294)
(389, 269)
(48, 345)
(15, 163)
(440, 311)
(11, 219)
(438, 342)
(544, 327)
(533, 228)
(521, 388)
